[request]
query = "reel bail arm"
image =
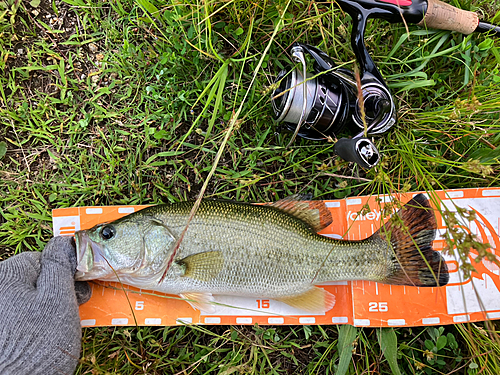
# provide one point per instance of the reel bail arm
(298, 56)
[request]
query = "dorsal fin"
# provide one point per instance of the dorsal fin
(313, 213)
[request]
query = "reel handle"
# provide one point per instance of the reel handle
(358, 150)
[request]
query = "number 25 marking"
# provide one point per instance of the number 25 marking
(264, 304)
(378, 307)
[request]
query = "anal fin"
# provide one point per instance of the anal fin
(315, 300)
(200, 301)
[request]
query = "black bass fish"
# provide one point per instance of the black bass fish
(270, 251)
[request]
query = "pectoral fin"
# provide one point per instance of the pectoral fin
(200, 301)
(315, 300)
(203, 266)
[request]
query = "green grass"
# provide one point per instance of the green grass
(128, 102)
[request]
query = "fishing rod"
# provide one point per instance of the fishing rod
(319, 104)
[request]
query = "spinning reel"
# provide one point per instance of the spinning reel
(320, 104)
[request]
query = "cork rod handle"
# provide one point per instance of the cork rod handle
(446, 17)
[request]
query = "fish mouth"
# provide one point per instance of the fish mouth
(90, 262)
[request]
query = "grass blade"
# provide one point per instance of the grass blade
(347, 335)
(218, 98)
(389, 344)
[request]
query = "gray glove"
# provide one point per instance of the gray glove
(40, 329)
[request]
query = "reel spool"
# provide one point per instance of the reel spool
(326, 104)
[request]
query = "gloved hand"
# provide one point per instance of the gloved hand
(40, 330)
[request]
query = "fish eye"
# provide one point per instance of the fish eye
(108, 232)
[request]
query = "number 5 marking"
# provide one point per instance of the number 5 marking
(139, 305)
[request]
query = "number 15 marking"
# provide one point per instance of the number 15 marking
(264, 303)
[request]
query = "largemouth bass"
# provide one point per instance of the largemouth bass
(270, 251)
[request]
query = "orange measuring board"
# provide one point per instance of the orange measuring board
(358, 303)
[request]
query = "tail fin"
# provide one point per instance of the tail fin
(414, 262)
